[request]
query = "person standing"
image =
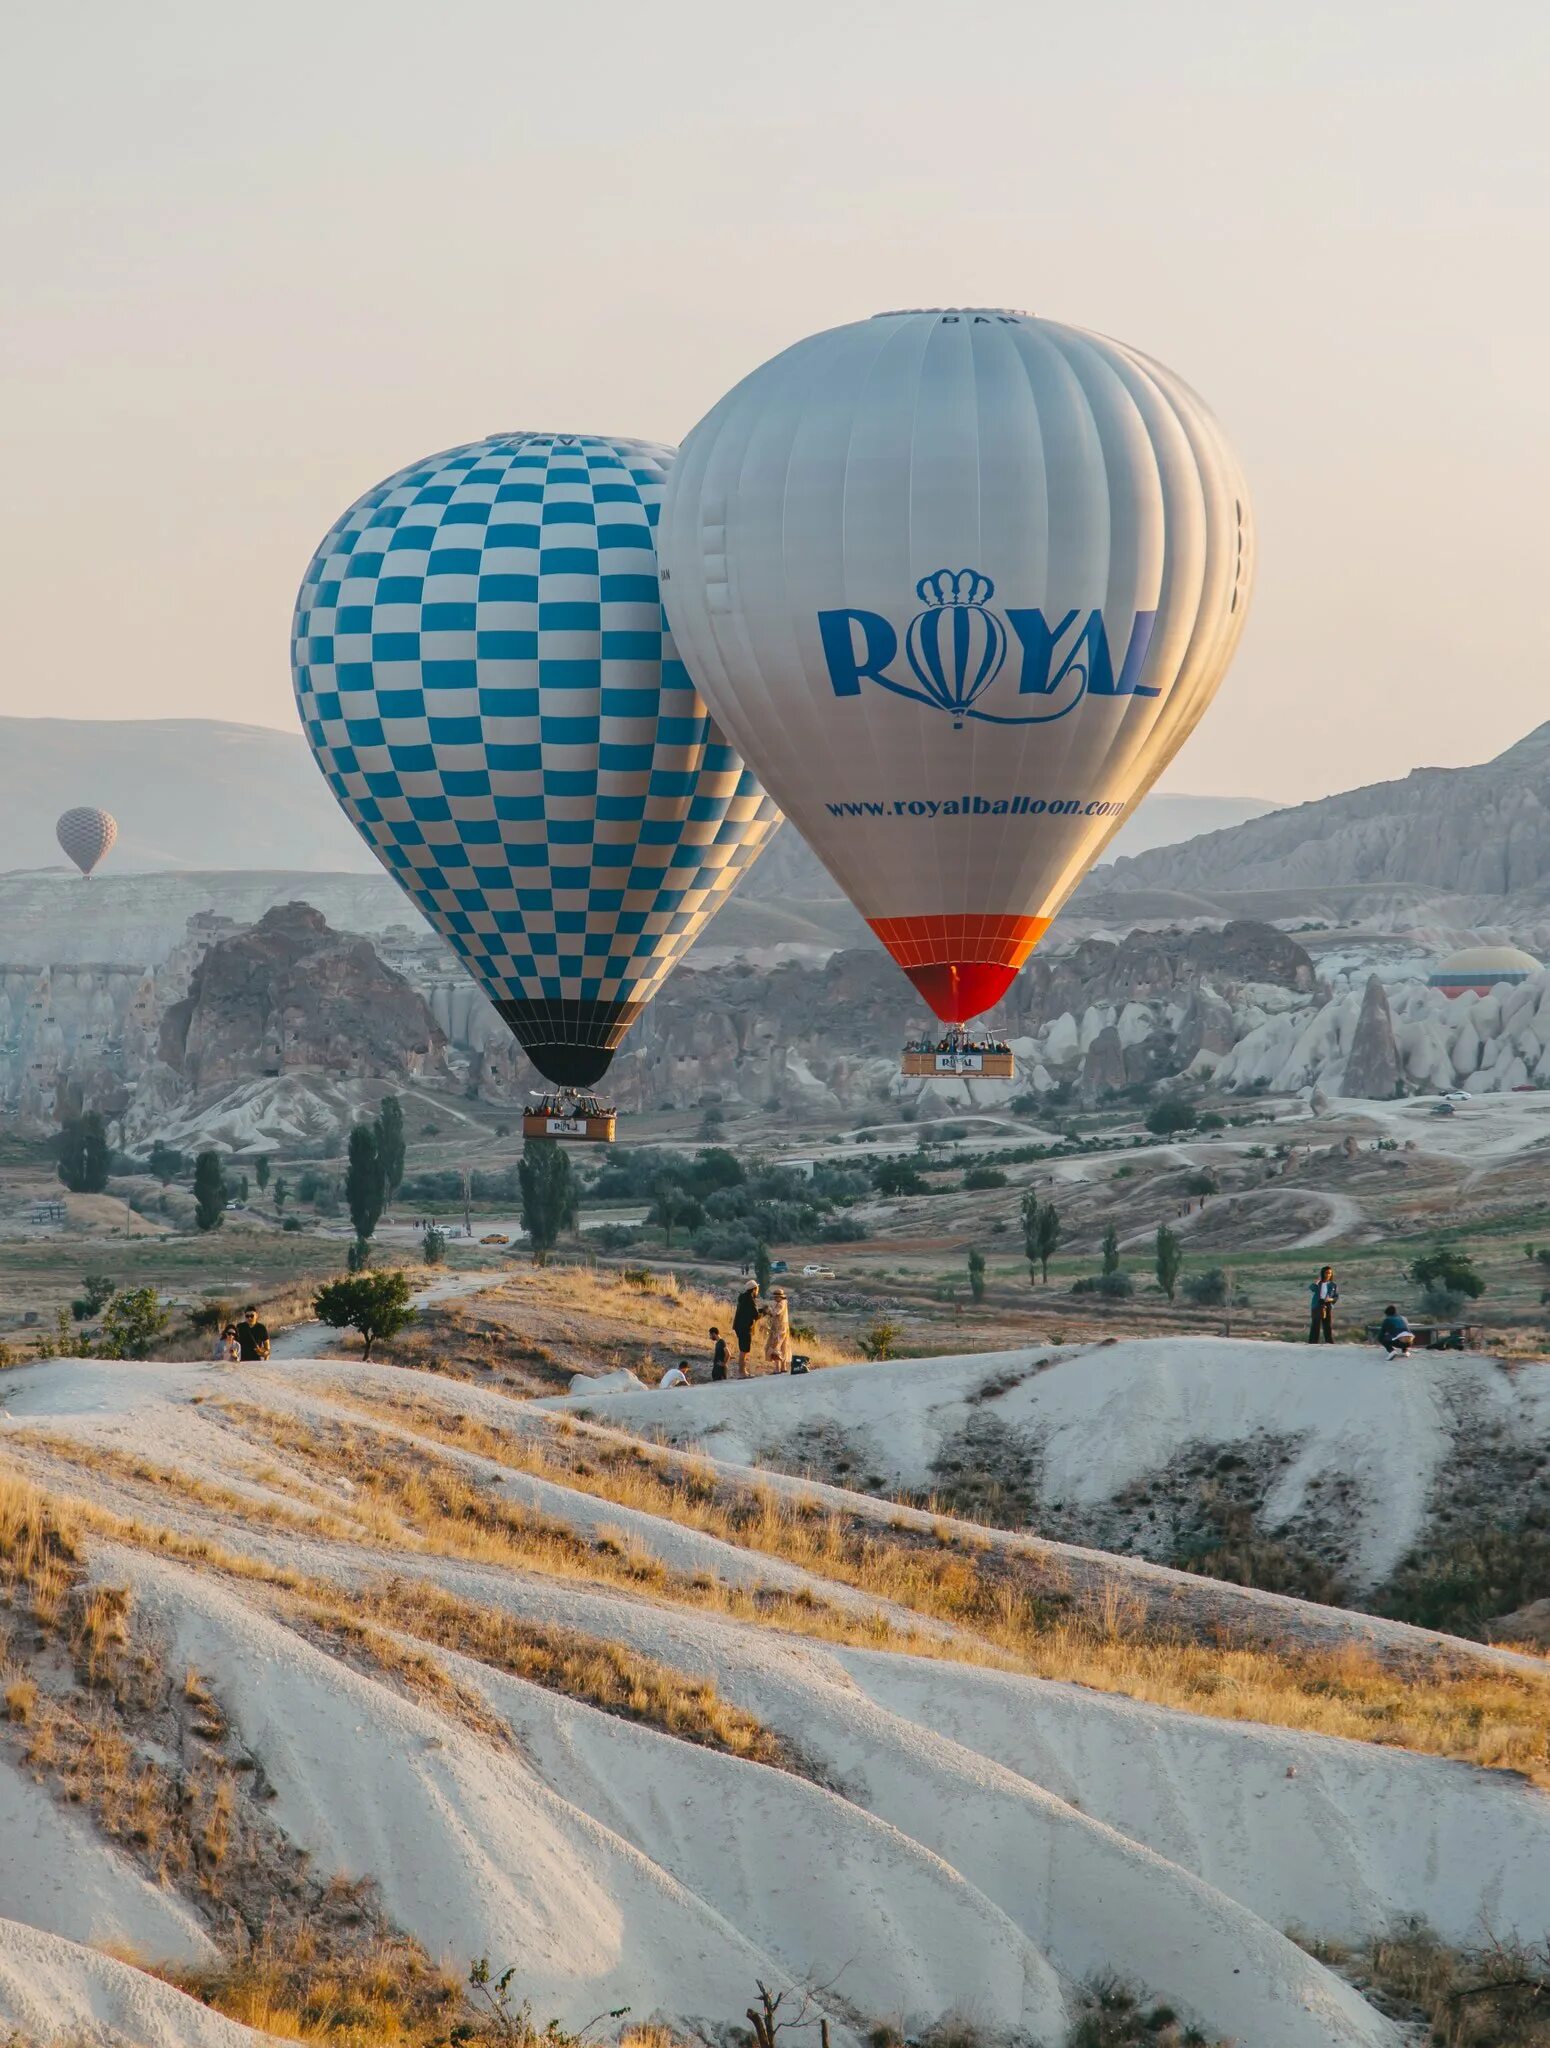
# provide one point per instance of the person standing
(777, 1333)
(252, 1338)
(746, 1313)
(1322, 1298)
(718, 1355)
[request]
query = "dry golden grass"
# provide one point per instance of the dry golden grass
(590, 1668)
(364, 1622)
(304, 1985)
(602, 1300)
(414, 1497)
(1495, 1997)
(1470, 1712)
(39, 1552)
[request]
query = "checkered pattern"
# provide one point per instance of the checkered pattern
(484, 671)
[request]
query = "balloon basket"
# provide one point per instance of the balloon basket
(956, 1056)
(574, 1118)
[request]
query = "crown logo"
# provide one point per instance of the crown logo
(955, 646)
(954, 586)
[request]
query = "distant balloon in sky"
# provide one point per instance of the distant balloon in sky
(484, 674)
(957, 584)
(86, 835)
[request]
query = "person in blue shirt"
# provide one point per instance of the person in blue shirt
(1395, 1334)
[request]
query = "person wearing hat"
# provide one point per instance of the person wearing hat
(744, 1316)
(777, 1333)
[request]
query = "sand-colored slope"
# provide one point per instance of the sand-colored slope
(57, 1872)
(55, 1991)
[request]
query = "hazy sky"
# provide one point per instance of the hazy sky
(253, 258)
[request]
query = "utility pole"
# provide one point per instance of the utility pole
(468, 1192)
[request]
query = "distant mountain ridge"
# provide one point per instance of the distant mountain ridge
(203, 796)
(1480, 832)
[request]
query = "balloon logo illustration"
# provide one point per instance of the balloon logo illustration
(955, 646)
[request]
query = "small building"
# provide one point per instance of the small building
(1479, 970)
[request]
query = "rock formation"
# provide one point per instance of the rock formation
(292, 993)
(1475, 832)
(1373, 1067)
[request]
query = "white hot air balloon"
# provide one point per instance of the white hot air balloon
(957, 585)
(86, 834)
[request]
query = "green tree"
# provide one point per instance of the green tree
(763, 1266)
(1170, 1117)
(1170, 1258)
(1111, 1250)
(242, 1187)
(976, 1273)
(209, 1191)
(96, 1293)
(132, 1322)
(282, 1189)
(390, 1144)
(548, 1194)
(433, 1246)
(897, 1177)
(1041, 1233)
(1446, 1270)
(165, 1161)
(376, 1304)
(83, 1154)
(261, 1171)
(365, 1188)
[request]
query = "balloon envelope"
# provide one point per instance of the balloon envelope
(957, 584)
(484, 674)
(86, 835)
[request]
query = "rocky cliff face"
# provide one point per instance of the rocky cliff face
(1151, 965)
(292, 993)
(1474, 832)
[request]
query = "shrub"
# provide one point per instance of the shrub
(1446, 1268)
(1443, 1304)
(881, 1341)
(1203, 1183)
(897, 1177)
(291, 1223)
(205, 1317)
(1170, 1116)
(1113, 1286)
(433, 1246)
(984, 1177)
(1206, 1290)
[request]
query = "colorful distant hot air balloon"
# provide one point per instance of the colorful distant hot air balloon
(957, 585)
(483, 671)
(86, 834)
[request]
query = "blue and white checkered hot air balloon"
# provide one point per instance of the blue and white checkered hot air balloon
(485, 675)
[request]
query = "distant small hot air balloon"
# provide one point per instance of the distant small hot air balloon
(484, 676)
(957, 585)
(86, 834)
